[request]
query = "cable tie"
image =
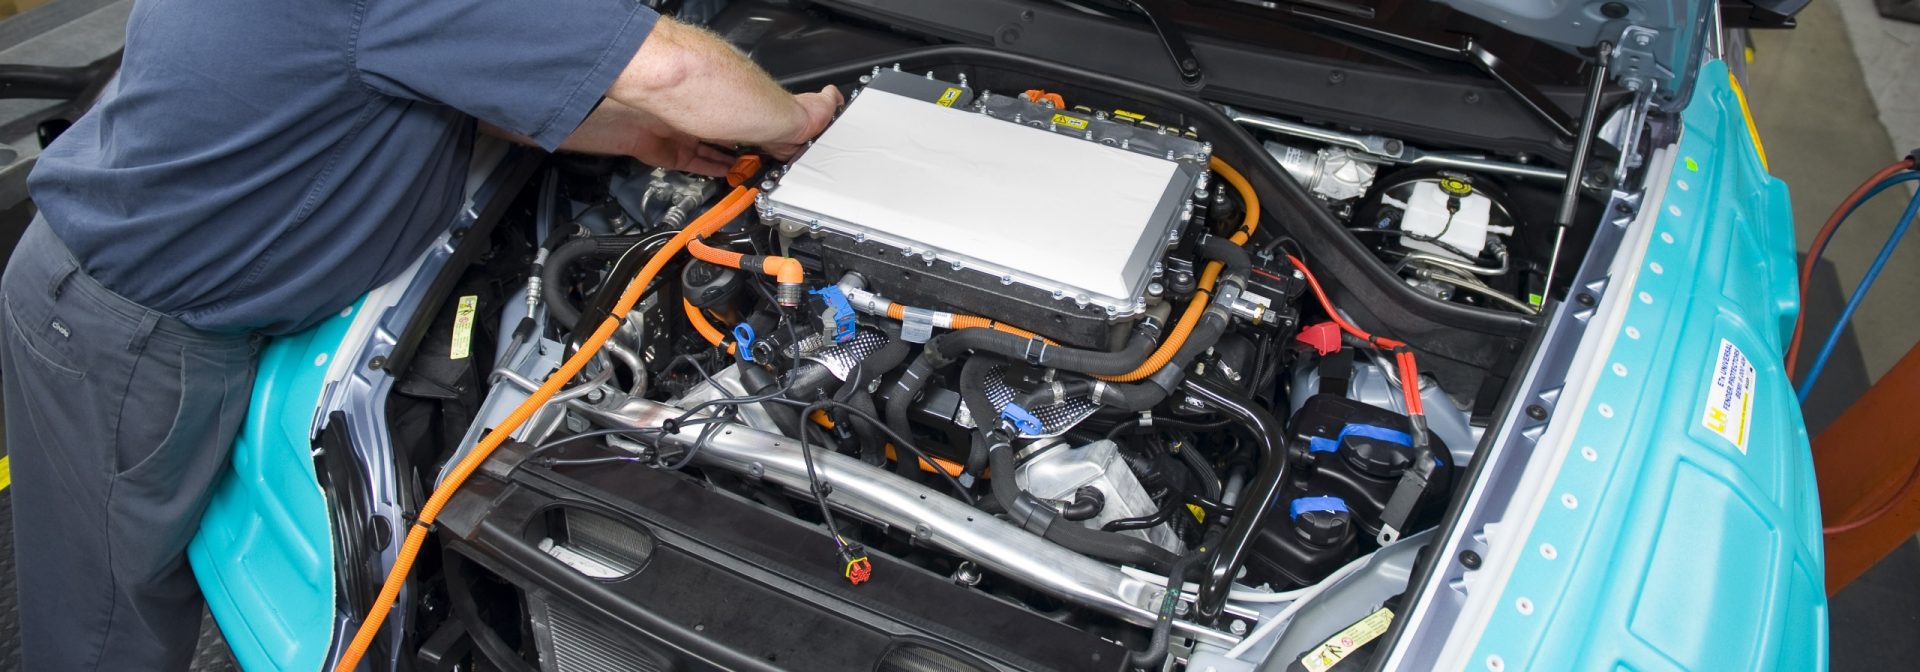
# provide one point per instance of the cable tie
(1032, 357)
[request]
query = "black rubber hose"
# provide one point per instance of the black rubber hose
(757, 380)
(560, 263)
(973, 390)
(1036, 516)
(1155, 655)
(900, 395)
(1164, 514)
(1235, 259)
(1267, 433)
(1087, 502)
(1209, 479)
(1145, 336)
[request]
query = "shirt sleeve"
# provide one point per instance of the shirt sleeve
(534, 67)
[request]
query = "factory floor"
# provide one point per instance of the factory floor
(1834, 100)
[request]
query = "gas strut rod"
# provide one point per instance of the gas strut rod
(1582, 146)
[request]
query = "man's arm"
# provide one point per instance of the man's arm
(615, 128)
(692, 81)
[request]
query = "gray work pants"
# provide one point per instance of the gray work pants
(118, 420)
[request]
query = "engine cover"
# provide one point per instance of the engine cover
(1053, 220)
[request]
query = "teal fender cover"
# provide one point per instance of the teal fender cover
(1682, 530)
(264, 553)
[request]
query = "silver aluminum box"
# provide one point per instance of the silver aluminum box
(1082, 222)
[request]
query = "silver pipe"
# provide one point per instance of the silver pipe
(632, 361)
(934, 518)
(1485, 165)
(1391, 150)
(1485, 291)
(1450, 263)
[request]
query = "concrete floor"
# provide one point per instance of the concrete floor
(1812, 101)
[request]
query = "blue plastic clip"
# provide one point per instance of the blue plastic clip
(1321, 444)
(1326, 503)
(844, 319)
(743, 338)
(1022, 420)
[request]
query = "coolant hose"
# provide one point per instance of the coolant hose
(1036, 516)
(561, 261)
(973, 390)
(1155, 655)
(757, 380)
(728, 208)
(1039, 353)
(1266, 432)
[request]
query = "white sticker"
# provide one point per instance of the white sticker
(1729, 408)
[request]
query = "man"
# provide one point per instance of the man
(256, 167)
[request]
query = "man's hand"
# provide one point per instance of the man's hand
(657, 145)
(817, 111)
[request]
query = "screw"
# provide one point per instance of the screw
(1536, 412)
(377, 363)
(1336, 77)
(1238, 628)
(1584, 299)
(1472, 98)
(1469, 559)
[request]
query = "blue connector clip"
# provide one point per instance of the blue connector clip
(1321, 444)
(1022, 420)
(743, 340)
(844, 319)
(1327, 503)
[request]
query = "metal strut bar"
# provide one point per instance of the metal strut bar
(1582, 146)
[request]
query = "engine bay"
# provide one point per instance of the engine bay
(996, 334)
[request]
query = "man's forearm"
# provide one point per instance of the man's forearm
(693, 81)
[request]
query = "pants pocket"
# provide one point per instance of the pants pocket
(157, 500)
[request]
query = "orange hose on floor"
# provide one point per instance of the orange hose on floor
(1197, 307)
(728, 208)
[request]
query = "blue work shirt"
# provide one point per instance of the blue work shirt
(260, 165)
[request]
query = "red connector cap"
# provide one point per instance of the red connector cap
(1324, 337)
(859, 570)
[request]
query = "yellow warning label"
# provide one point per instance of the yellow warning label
(948, 97)
(1343, 643)
(463, 328)
(1135, 116)
(1074, 123)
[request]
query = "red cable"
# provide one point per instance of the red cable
(1403, 356)
(1820, 243)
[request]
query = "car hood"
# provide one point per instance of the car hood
(1659, 42)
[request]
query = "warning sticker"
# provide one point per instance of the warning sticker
(1343, 643)
(1729, 408)
(1074, 123)
(463, 328)
(948, 97)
